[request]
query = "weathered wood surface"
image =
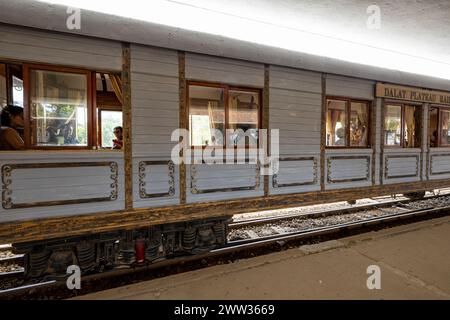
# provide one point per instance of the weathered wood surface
(127, 125)
(34, 230)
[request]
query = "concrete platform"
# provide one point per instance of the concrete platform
(414, 262)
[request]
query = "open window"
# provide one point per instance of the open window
(109, 109)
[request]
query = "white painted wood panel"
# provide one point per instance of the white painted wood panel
(155, 115)
(401, 165)
(34, 185)
(348, 170)
(157, 179)
(295, 109)
(202, 178)
(439, 165)
(295, 175)
(215, 69)
(350, 87)
(60, 49)
(155, 101)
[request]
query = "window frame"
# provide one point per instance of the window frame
(348, 102)
(226, 88)
(99, 123)
(402, 121)
(90, 99)
(440, 109)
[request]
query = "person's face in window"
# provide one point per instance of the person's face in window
(17, 121)
(118, 134)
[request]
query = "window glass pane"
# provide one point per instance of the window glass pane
(58, 108)
(244, 114)
(393, 125)
(336, 123)
(109, 120)
(412, 128)
(359, 124)
(445, 127)
(17, 91)
(206, 113)
(433, 130)
(3, 85)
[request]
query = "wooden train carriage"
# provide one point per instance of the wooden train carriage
(346, 131)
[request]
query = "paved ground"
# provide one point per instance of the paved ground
(414, 262)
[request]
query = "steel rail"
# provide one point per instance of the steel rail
(250, 245)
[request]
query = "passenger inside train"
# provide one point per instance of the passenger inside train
(118, 141)
(11, 127)
(66, 109)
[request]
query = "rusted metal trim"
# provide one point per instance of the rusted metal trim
(276, 185)
(330, 180)
(7, 202)
(142, 173)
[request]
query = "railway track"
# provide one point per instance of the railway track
(405, 210)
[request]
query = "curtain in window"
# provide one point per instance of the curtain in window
(335, 116)
(116, 82)
(410, 126)
(363, 120)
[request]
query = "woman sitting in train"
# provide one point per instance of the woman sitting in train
(11, 124)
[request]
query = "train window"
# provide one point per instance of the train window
(393, 126)
(3, 86)
(347, 123)
(206, 113)
(108, 121)
(336, 123)
(359, 124)
(59, 108)
(216, 108)
(17, 91)
(244, 114)
(109, 109)
(439, 127)
(401, 126)
(445, 127)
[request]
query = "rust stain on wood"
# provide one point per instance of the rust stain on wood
(323, 137)
(127, 125)
(266, 119)
(183, 116)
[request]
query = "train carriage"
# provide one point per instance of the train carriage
(346, 132)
